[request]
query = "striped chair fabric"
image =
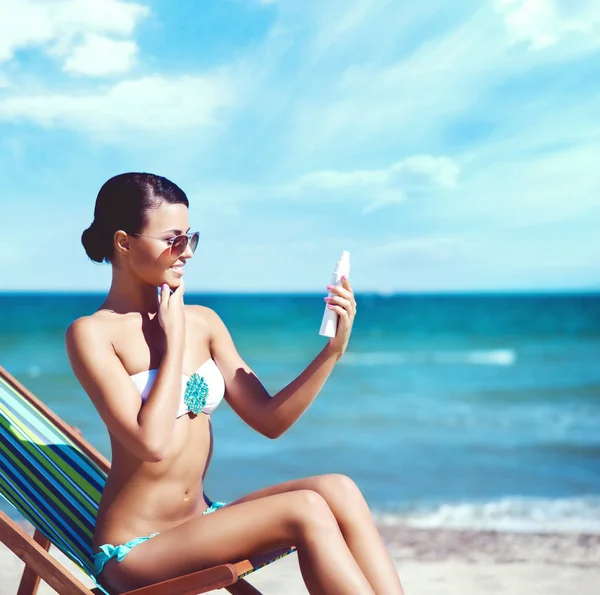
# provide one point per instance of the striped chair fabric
(50, 480)
(47, 478)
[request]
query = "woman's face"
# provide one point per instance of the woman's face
(151, 258)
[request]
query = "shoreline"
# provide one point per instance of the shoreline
(433, 561)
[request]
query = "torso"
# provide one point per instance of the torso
(141, 498)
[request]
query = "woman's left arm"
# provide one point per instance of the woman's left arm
(272, 416)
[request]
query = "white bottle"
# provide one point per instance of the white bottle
(330, 317)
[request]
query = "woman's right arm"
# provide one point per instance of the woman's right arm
(144, 430)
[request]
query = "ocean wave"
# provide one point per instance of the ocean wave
(519, 514)
(490, 357)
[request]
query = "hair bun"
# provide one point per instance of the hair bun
(94, 242)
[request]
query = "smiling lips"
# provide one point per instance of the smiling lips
(178, 268)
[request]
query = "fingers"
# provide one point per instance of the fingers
(342, 306)
(343, 294)
(164, 294)
(179, 290)
(346, 283)
(343, 312)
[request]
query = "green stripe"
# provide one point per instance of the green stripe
(35, 412)
(40, 456)
(35, 481)
(53, 432)
(36, 513)
(35, 449)
(45, 431)
(26, 506)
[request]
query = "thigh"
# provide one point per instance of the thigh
(339, 491)
(229, 534)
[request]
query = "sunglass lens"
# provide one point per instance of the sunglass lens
(178, 246)
(194, 241)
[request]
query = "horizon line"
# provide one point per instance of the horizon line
(508, 291)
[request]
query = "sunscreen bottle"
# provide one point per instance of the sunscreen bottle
(330, 317)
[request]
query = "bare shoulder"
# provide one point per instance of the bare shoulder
(83, 328)
(93, 326)
(203, 315)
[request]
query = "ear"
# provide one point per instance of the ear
(121, 241)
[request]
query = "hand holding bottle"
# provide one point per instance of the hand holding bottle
(342, 302)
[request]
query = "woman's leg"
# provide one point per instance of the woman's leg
(356, 524)
(301, 518)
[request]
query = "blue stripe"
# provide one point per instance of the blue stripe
(38, 425)
(16, 428)
(42, 504)
(30, 513)
(35, 518)
(35, 499)
(35, 423)
(84, 517)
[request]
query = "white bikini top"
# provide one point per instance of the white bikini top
(210, 377)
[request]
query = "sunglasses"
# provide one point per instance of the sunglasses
(178, 244)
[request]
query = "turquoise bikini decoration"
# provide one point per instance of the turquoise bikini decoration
(196, 392)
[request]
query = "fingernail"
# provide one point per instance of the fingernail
(344, 278)
(327, 299)
(330, 286)
(164, 287)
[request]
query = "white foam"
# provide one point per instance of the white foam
(507, 514)
(490, 357)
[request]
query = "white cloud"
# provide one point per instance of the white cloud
(57, 26)
(414, 176)
(506, 190)
(407, 94)
(99, 56)
(543, 23)
(343, 23)
(153, 104)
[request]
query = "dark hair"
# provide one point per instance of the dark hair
(122, 203)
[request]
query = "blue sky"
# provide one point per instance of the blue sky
(446, 145)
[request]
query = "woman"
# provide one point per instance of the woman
(155, 369)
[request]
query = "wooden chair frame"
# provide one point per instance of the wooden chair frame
(40, 564)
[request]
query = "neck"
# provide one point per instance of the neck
(129, 293)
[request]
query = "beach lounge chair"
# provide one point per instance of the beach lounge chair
(54, 478)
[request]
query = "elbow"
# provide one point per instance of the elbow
(153, 456)
(153, 453)
(149, 446)
(273, 432)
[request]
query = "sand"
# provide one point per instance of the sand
(436, 562)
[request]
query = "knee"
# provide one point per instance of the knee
(311, 511)
(339, 488)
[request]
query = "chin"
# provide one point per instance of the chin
(173, 280)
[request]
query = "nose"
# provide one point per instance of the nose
(187, 253)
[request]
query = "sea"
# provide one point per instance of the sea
(449, 411)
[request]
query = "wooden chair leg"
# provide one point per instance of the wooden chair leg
(242, 587)
(39, 559)
(30, 580)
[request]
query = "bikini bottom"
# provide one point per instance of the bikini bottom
(109, 551)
